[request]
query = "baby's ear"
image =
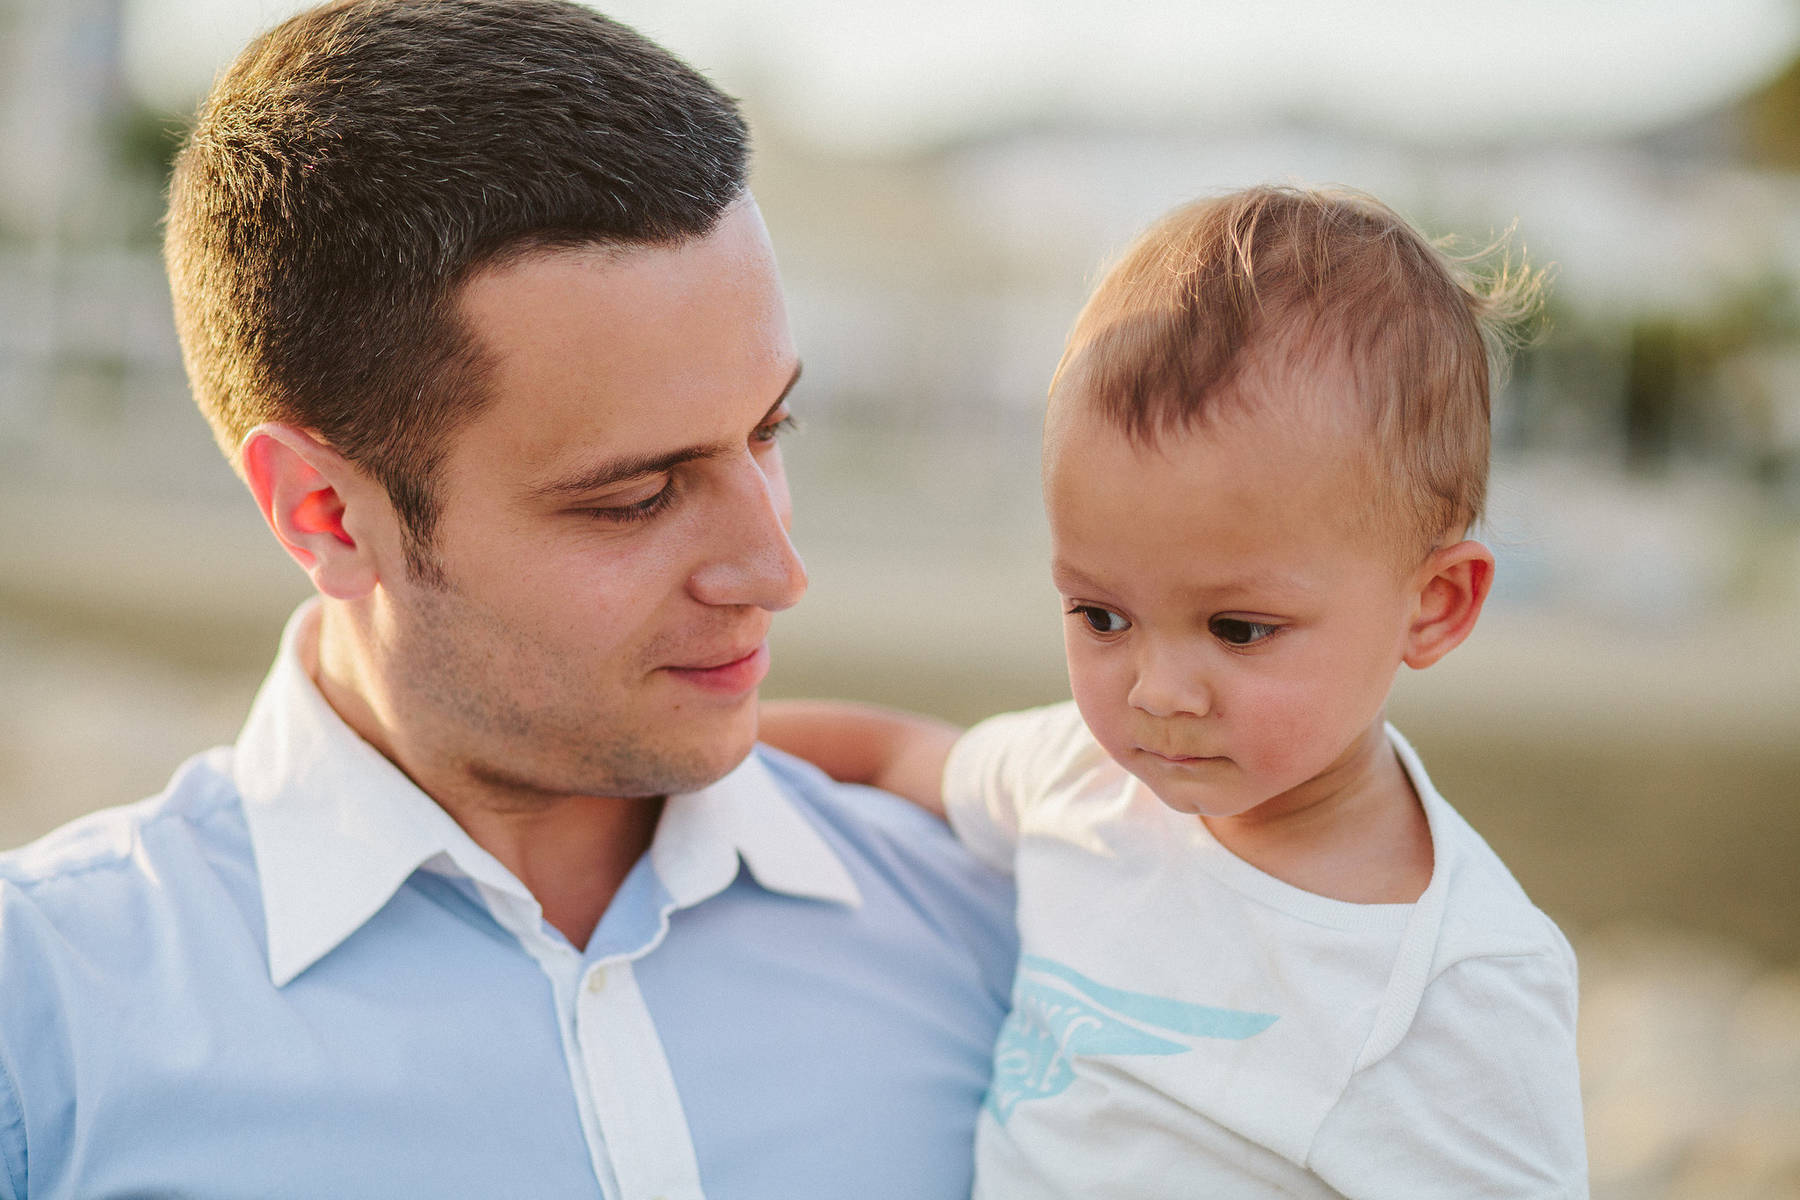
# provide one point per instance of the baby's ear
(1452, 585)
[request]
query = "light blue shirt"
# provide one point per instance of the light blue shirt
(292, 974)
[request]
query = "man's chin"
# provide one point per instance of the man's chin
(669, 768)
(691, 775)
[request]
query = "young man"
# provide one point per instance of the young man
(493, 896)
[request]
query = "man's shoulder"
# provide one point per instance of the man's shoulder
(866, 824)
(101, 919)
(853, 809)
(125, 845)
(896, 848)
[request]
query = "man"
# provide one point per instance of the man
(492, 896)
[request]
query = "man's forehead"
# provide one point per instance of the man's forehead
(522, 311)
(591, 353)
(559, 297)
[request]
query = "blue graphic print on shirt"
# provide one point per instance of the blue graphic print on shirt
(1058, 1013)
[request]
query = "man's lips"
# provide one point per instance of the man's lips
(731, 672)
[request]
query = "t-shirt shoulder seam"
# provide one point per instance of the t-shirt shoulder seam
(1549, 944)
(1355, 1072)
(1553, 958)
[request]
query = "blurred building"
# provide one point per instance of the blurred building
(932, 282)
(61, 91)
(89, 372)
(933, 285)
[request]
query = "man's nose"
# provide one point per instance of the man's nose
(751, 559)
(1170, 685)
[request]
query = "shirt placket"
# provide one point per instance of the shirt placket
(632, 1088)
(631, 1114)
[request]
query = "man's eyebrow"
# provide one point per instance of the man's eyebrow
(617, 470)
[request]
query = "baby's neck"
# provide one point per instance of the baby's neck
(1357, 833)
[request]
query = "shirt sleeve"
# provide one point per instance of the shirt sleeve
(12, 1137)
(15, 978)
(1000, 767)
(1481, 1098)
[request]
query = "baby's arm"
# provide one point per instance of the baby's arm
(896, 751)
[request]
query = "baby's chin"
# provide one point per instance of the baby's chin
(1202, 793)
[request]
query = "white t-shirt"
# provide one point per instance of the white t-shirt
(1185, 1025)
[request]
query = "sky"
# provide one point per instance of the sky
(877, 77)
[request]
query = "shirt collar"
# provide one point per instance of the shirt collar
(746, 815)
(336, 828)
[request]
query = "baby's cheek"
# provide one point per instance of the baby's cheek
(1107, 725)
(1282, 728)
(1101, 698)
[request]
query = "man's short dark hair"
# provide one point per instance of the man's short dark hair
(360, 162)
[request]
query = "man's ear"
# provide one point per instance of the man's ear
(307, 492)
(1452, 586)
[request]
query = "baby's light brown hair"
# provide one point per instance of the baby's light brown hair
(1282, 281)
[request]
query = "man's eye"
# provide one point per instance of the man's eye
(1236, 632)
(1100, 620)
(637, 510)
(774, 429)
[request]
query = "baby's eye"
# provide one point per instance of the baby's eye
(1100, 620)
(1234, 631)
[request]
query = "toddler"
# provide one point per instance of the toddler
(1262, 956)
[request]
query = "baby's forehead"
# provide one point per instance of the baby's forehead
(1313, 405)
(1291, 443)
(1291, 370)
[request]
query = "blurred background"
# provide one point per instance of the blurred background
(943, 181)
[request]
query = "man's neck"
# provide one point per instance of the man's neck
(571, 852)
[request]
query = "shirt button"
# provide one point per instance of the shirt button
(596, 984)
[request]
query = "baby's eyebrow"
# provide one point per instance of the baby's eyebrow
(1275, 582)
(1280, 582)
(1062, 573)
